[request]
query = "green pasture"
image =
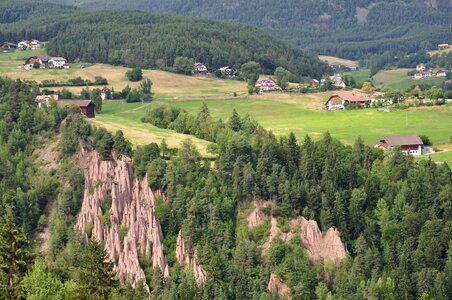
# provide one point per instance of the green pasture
(399, 79)
(282, 117)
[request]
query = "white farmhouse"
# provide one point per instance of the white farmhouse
(57, 62)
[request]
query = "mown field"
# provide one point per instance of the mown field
(399, 79)
(165, 84)
(359, 76)
(301, 115)
(333, 59)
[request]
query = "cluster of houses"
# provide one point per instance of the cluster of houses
(201, 69)
(422, 72)
(22, 45)
(87, 107)
(339, 66)
(340, 100)
(44, 61)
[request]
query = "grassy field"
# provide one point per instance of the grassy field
(297, 113)
(431, 53)
(442, 157)
(164, 84)
(400, 80)
(118, 115)
(359, 76)
(332, 59)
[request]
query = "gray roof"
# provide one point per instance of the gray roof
(403, 140)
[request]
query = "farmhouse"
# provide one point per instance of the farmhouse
(199, 68)
(227, 71)
(441, 73)
(420, 67)
(340, 100)
(444, 46)
(45, 100)
(8, 46)
(57, 62)
(105, 92)
(35, 44)
(23, 45)
(267, 85)
(87, 107)
(42, 60)
(337, 81)
(423, 74)
(409, 144)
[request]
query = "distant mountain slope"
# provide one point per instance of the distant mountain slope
(136, 38)
(343, 28)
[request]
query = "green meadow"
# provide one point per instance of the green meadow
(399, 79)
(283, 117)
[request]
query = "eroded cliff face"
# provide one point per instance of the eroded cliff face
(132, 230)
(276, 284)
(185, 257)
(327, 246)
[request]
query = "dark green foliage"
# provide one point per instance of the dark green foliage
(142, 156)
(97, 99)
(139, 39)
(121, 145)
(183, 65)
(97, 278)
(327, 27)
(15, 258)
(250, 71)
(136, 74)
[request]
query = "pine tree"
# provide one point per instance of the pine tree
(15, 258)
(97, 278)
(235, 123)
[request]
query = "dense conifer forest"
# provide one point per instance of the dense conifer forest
(393, 213)
(143, 39)
(343, 28)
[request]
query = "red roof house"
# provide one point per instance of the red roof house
(87, 107)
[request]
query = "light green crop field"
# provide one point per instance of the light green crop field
(359, 76)
(296, 114)
(445, 156)
(400, 80)
(118, 115)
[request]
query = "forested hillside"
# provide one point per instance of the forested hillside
(343, 28)
(135, 38)
(392, 213)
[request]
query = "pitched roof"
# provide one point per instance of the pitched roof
(82, 103)
(402, 140)
(349, 96)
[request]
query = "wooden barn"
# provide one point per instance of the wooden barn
(87, 107)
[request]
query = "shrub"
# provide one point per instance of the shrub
(135, 74)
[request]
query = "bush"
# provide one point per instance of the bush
(425, 140)
(135, 74)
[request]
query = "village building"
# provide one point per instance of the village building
(337, 81)
(409, 144)
(105, 92)
(420, 67)
(42, 60)
(227, 71)
(56, 62)
(441, 73)
(87, 107)
(422, 75)
(444, 46)
(23, 45)
(45, 61)
(199, 68)
(45, 100)
(267, 85)
(35, 44)
(340, 100)
(8, 46)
